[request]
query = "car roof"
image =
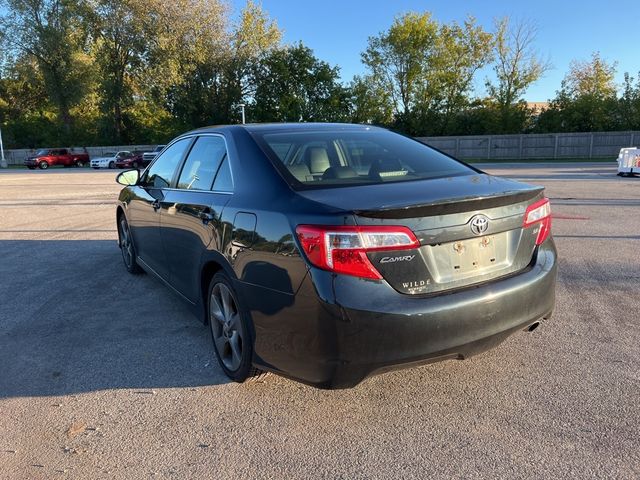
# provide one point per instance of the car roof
(285, 127)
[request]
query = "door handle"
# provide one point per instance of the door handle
(155, 205)
(206, 217)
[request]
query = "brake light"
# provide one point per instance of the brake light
(343, 249)
(539, 214)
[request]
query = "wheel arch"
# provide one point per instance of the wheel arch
(212, 263)
(119, 214)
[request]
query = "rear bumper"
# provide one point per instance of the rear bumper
(340, 331)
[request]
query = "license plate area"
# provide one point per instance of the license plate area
(469, 258)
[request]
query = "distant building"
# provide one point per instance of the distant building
(537, 107)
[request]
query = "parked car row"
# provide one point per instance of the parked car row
(121, 159)
(50, 157)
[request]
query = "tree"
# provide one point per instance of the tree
(119, 49)
(398, 59)
(586, 101)
(369, 103)
(426, 68)
(629, 104)
(220, 70)
(460, 52)
(292, 85)
(53, 33)
(254, 37)
(517, 66)
(593, 78)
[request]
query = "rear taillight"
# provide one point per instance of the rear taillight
(343, 249)
(538, 215)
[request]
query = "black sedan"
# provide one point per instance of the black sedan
(328, 252)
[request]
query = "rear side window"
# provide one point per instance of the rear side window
(202, 163)
(223, 182)
(318, 159)
(161, 172)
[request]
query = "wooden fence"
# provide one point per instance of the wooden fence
(489, 147)
(536, 146)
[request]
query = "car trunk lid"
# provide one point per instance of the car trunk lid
(470, 228)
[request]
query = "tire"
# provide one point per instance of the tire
(127, 248)
(112, 165)
(229, 320)
(134, 164)
(79, 163)
(43, 165)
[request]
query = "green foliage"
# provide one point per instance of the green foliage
(370, 103)
(52, 33)
(99, 72)
(517, 65)
(399, 60)
(292, 85)
(427, 68)
(586, 100)
(119, 49)
(629, 104)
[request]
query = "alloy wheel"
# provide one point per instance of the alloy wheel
(225, 322)
(126, 245)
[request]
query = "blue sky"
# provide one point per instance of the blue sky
(337, 31)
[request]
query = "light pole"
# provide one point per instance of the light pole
(3, 161)
(242, 105)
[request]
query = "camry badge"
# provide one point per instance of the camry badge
(479, 224)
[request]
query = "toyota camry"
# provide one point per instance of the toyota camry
(328, 253)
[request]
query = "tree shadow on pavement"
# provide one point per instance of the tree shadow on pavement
(73, 320)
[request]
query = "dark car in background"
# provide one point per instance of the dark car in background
(50, 157)
(328, 253)
(149, 156)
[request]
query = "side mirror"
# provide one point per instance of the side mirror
(128, 178)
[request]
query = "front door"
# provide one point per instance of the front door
(191, 213)
(143, 212)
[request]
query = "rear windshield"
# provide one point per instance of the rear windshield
(321, 159)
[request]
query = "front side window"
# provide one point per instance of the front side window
(161, 172)
(318, 159)
(203, 162)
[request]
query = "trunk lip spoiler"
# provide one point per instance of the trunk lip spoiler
(453, 205)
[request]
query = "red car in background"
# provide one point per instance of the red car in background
(47, 157)
(135, 161)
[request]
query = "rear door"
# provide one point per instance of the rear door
(190, 216)
(143, 212)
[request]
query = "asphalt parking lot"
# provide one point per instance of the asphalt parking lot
(107, 375)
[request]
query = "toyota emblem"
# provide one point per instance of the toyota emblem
(479, 224)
